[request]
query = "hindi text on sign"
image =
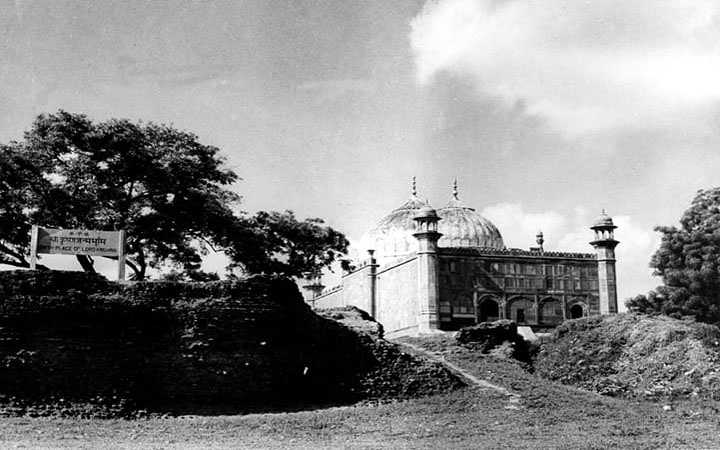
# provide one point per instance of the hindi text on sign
(78, 242)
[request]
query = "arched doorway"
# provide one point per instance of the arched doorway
(576, 311)
(488, 310)
(550, 311)
(521, 310)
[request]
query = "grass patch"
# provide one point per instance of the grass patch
(551, 416)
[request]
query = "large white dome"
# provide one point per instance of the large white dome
(460, 225)
(393, 235)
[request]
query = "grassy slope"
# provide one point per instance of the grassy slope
(552, 416)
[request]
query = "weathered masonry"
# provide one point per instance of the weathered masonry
(449, 268)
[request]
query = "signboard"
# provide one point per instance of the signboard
(78, 242)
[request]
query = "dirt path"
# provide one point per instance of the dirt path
(513, 398)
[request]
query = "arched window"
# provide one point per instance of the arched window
(521, 310)
(576, 311)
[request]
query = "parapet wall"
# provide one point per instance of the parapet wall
(397, 291)
(354, 290)
(331, 298)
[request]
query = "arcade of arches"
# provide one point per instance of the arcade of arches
(546, 311)
(532, 289)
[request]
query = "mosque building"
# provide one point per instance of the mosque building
(443, 269)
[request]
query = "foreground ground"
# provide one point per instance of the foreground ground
(548, 415)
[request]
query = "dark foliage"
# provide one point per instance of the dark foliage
(688, 261)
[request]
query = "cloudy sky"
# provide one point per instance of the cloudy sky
(547, 111)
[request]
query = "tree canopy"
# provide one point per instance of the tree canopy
(170, 193)
(688, 261)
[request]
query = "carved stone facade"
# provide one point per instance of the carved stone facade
(530, 287)
(420, 287)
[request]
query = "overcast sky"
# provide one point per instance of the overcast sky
(547, 111)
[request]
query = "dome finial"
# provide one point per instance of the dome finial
(455, 189)
(413, 191)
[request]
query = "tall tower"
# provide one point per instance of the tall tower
(604, 244)
(427, 235)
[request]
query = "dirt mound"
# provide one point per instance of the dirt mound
(399, 375)
(353, 317)
(105, 349)
(391, 372)
(499, 338)
(635, 356)
(375, 368)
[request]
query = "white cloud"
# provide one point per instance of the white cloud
(519, 228)
(572, 233)
(585, 66)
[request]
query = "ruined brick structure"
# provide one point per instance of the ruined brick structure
(450, 268)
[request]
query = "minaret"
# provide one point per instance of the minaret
(604, 244)
(426, 222)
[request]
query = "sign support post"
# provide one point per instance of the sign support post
(33, 247)
(121, 255)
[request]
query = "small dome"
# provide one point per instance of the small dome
(426, 211)
(603, 221)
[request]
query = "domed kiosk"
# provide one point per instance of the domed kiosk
(428, 269)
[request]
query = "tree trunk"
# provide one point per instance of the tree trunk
(86, 262)
(140, 275)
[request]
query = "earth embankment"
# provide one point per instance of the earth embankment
(634, 355)
(69, 339)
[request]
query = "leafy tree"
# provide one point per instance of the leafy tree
(282, 244)
(16, 196)
(688, 261)
(167, 190)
